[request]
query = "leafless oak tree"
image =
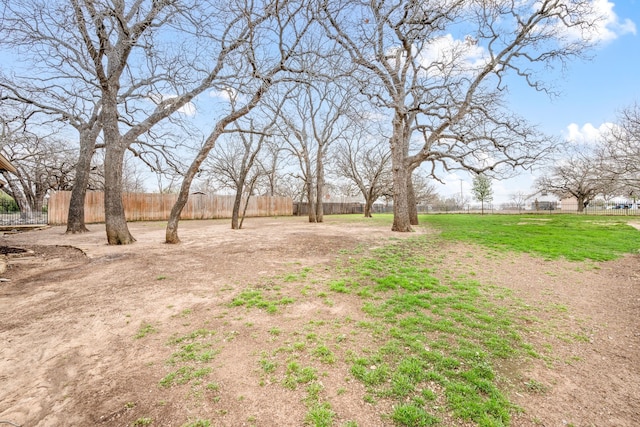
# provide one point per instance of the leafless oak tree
(317, 113)
(620, 152)
(235, 164)
(447, 91)
(367, 164)
(42, 163)
(260, 49)
(577, 175)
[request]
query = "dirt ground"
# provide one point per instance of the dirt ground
(71, 307)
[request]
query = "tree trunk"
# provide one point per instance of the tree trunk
(311, 204)
(171, 235)
(367, 207)
(20, 199)
(580, 204)
(411, 200)
(75, 217)
(401, 174)
(115, 220)
(319, 187)
(244, 210)
(235, 213)
(310, 196)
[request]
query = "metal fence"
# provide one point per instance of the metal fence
(11, 214)
(302, 208)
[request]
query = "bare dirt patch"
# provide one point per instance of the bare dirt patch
(70, 314)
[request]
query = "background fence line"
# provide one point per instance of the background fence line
(157, 207)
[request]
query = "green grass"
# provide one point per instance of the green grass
(573, 237)
(442, 332)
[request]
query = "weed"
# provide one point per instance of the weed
(320, 415)
(253, 298)
(198, 352)
(144, 330)
(143, 421)
(534, 386)
(412, 416)
(183, 375)
(339, 286)
(200, 333)
(213, 387)
(324, 354)
(268, 366)
(313, 391)
(275, 331)
(198, 423)
(295, 374)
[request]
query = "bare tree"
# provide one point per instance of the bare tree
(42, 162)
(50, 73)
(575, 176)
(250, 71)
(424, 190)
(273, 164)
(235, 165)
(134, 65)
(447, 91)
(620, 153)
(367, 165)
(318, 113)
(519, 200)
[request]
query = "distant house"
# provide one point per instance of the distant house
(542, 201)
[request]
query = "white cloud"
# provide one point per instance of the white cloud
(587, 134)
(226, 94)
(189, 108)
(611, 27)
(465, 54)
(608, 25)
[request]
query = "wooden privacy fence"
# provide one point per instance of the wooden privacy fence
(157, 207)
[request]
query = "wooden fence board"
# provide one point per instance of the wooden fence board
(157, 207)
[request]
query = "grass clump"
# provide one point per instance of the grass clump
(144, 330)
(320, 415)
(251, 298)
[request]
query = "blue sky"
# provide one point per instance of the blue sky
(591, 93)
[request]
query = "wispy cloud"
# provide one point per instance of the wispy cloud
(611, 27)
(586, 134)
(465, 54)
(226, 94)
(608, 25)
(188, 109)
